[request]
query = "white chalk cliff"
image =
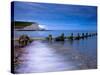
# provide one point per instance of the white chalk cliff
(32, 27)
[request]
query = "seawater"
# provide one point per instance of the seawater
(44, 56)
(54, 33)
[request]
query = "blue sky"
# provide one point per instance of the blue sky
(57, 16)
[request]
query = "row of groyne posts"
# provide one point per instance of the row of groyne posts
(71, 37)
(25, 39)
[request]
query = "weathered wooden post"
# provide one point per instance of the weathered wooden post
(82, 36)
(96, 33)
(71, 37)
(24, 40)
(86, 35)
(90, 34)
(62, 37)
(77, 37)
(50, 37)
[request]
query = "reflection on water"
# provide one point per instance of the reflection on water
(43, 56)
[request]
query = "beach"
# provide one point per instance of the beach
(45, 56)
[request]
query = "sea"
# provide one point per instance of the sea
(44, 56)
(54, 33)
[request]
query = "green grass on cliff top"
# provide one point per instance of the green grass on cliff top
(21, 24)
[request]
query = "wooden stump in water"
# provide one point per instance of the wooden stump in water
(86, 35)
(90, 34)
(49, 38)
(82, 36)
(78, 37)
(24, 40)
(60, 38)
(70, 37)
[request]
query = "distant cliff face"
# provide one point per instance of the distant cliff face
(34, 26)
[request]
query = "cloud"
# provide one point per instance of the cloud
(58, 14)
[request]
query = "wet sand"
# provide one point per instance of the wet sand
(42, 56)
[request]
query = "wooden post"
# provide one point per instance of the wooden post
(24, 40)
(62, 37)
(71, 37)
(77, 37)
(86, 35)
(50, 37)
(83, 36)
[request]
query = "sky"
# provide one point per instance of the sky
(57, 16)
